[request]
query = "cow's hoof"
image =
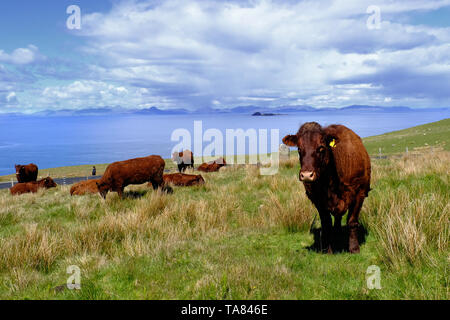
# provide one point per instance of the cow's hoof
(168, 190)
(354, 248)
(327, 249)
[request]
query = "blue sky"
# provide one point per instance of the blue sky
(221, 54)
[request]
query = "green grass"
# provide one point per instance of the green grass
(436, 134)
(241, 236)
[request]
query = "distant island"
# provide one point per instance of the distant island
(255, 111)
(259, 114)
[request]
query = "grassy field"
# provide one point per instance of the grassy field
(434, 135)
(240, 236)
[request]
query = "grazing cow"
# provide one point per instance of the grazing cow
(28, 173)
(84, 187)
(118, 175)
(335, 170)
(32, 187)
(183, 180)
(212, 166)
(183, 160)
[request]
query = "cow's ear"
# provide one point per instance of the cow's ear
(331, 140)
(291, 140)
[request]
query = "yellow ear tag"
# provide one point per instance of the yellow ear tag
(333, 143)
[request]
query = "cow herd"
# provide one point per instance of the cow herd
(120, 174)
(27, 180)
(335, 171)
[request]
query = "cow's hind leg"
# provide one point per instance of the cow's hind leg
(158, 182)
(353, 223)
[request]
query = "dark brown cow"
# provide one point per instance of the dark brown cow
(26, 173)
(32, 187)
(84, 187)
(183, 180)
(118, 175)
(212, 166)
(183, 159)
(335, 170)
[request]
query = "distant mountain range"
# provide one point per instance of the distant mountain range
(236, 110)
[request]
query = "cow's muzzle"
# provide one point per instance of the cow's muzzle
(308, 176)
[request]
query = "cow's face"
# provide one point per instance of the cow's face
(49, 183)
(103, 189)
(313, 151)
(199, 180)
(19, 169)
(176, 157)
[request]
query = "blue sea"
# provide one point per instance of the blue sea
(66, 141)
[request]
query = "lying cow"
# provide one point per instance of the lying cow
(26, 173)
(84, 187)
(212, 166)
(183, 160)
(183, 180)
(335, 170)
(118, 175)
(32, 187)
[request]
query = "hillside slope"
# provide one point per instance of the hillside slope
(435, 134)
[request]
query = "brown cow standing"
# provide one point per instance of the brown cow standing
(183, 160)
(120, 174)
(212, 166)
(26, 173)
(183, 180)
(335, 170)
(84, 187)
(32, 187)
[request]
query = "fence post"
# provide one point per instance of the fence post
(12, 183)
(406, 150)
(64, 181)
(379, 150)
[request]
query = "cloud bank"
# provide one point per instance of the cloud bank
(197, 54)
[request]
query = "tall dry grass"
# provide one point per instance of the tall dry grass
(409, 208)
(407, 212)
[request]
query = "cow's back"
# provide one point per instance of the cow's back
(187, 157)
(84, 187)
(29, 174)
(134, 170)
(26, 187)
(181, 179)
(350, 156)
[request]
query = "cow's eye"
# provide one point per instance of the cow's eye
(321, 149)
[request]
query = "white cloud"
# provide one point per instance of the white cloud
(11, 97)
(197, 52)
(88, 93)
(21, 56)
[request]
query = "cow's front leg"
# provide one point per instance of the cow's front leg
(120, 192)
(325, 221)
(337, 224)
